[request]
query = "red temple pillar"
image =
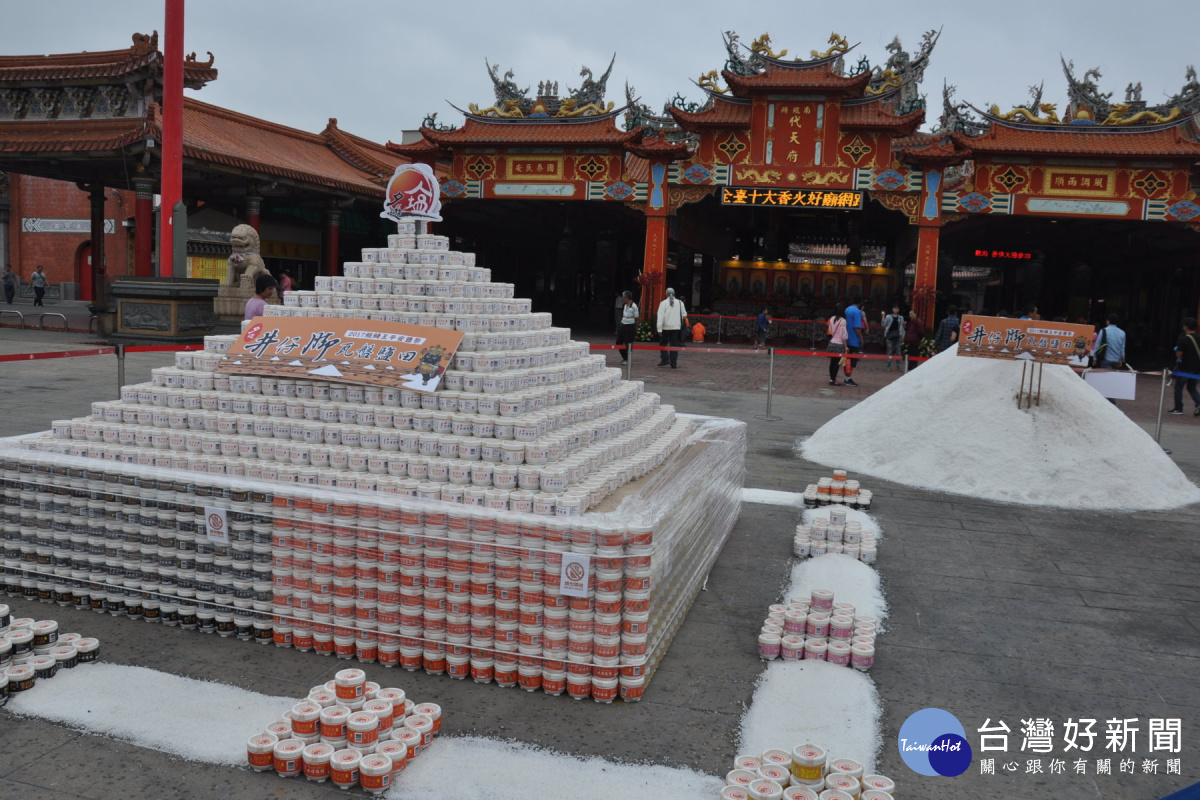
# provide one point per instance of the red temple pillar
(333, 221)
(95, 289)
(924, 293)
(654, 259)
(929, 222)
(143, 221)
(654, 265)
(253, 210)
(172, 133)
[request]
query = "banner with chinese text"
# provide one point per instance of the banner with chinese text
(841, 199)
(344, 350)
(1028, 339)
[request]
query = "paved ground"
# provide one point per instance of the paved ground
(997, 612)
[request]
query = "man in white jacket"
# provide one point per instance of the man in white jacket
(672, 320)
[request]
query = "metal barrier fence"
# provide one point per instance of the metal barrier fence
(790, 331)
(770, 353)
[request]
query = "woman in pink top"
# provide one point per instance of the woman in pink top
(837, 342)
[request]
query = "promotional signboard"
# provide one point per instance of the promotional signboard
(344, 350)
(413, 193)
(1023, 339)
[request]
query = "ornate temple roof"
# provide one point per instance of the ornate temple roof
(1177, 141)
(784, 76)
(722, 112)
(580, 131)
(1091, 124)
(103, 65)
(220, 136)
(875, 115)
(56, 136)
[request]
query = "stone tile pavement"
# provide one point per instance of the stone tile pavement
(996, 612)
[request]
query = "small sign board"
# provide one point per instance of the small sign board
(576, 569)
(1113, 384)
(1023, 339)
(216, 524)
(362, 351)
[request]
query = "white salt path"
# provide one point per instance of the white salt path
(953, 425)
(197, 720)
(508, 771)
(210, 723)
(770, 497)
(836, 707)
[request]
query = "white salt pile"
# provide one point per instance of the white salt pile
(210, 722)
(814, 701)
(953, 425)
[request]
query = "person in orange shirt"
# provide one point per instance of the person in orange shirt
(698, 332)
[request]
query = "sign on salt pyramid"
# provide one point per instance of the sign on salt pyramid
(359, 344)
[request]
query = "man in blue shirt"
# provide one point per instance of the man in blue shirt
(854, 335)
(1109, 352)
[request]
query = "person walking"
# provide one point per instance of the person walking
(914, 332)
(1187, 361)
(38, 281)
(627, 324)
(672, 319)
(947, 332)
(1109, 351)
(836, 327)
(264, 285)
(855, 335)
(285, 283)
(893, 335)
(619, 311)
(760, 329)
(10, 284)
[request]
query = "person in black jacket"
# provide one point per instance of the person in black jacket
(1187, 361)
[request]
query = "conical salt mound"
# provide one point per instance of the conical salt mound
(953, 425)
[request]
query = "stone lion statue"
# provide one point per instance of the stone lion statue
(245, 263)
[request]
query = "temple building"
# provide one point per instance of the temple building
(794, 182)
(800, 182)
(80, 156)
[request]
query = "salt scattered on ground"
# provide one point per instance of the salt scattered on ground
(953, 425)
(836, 707)
(770, 497)
(197, 720)
(511, 771)
(210, 722)
(869, 525)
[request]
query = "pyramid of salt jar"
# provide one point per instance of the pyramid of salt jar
(421, 529)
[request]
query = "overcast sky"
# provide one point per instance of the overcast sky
(380, 66)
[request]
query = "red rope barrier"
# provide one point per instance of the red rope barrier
(164, 348)
(102, 351)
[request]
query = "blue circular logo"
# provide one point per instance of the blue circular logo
(933, 742)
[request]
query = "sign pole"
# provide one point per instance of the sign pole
(770, 386)
(1021, 391)
(1162, 396)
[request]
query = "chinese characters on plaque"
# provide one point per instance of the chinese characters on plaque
(842, 199)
